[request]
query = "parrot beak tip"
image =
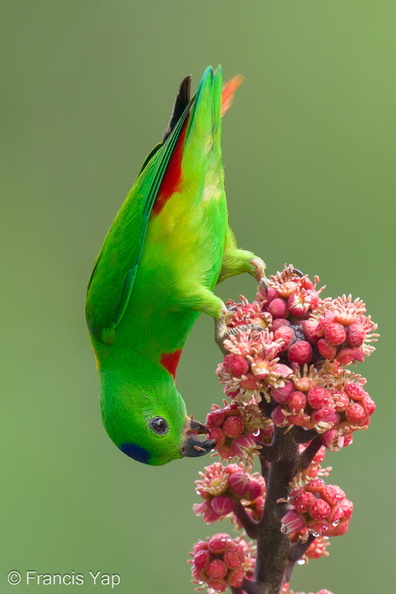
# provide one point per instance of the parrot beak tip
(192, 447)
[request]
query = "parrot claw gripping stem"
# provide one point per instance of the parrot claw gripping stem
(222, 332)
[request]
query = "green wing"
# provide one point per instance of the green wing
(115, 270)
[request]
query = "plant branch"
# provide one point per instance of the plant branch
(249, 524)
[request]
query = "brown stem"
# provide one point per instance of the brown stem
(273, 546)
(249, 524)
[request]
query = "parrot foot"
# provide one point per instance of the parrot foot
(222, 332)
(258, 268)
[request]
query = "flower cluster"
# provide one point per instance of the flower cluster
(291, 397)
(221, 487)
(233, 428)
(221, 561)
(252, 366)
(318, 509)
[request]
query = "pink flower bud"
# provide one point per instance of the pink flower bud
(222, 505)
(218, 543)
(355, 390)
(217, 584)
(218, 435)
(236, 577)
(217, 569)
(251, 382)
(303, 500)
(319, 509)
(276, 324)
(255, 489)
(292, 522)
(333, 494)
(325, 414)
(201, 559)
(282, 394)
(244, 444)
(234, 557)
(332, 440)
(327, 319)
(297, 304)
(297, 400)
(347, 355)
(300, 352)
(279, 417)
(369, 404)
(335, 333)
(286, 335)
(238, 366)
(260, 367)
(340, 400)
(319, 397)
(233, 427)
(327, 350)
(355, 334)
(309, 328)
(355, 413)
(215, 418)
(239, 484)
(287, 288)
(271, 294)
(278, 308)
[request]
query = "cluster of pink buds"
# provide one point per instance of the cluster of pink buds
(318, 509)
(291, 398)
(233, 428)
(223, 487)
(221, 561)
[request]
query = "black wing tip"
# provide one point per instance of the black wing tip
(182, 99)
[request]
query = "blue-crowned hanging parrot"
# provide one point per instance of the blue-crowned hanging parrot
(168, 247)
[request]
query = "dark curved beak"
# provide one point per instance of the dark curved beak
(191, 447)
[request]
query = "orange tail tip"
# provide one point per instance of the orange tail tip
(229, 89)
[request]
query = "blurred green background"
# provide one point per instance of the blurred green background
(309, 152)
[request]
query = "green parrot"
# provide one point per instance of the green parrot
(168, 247)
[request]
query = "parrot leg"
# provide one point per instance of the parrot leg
(236, 261)
(203, 300)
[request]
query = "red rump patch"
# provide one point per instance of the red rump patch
(173, 174)
(171, 360)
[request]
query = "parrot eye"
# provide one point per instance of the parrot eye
(159, 425)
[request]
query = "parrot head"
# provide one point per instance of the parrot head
(150, 424)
